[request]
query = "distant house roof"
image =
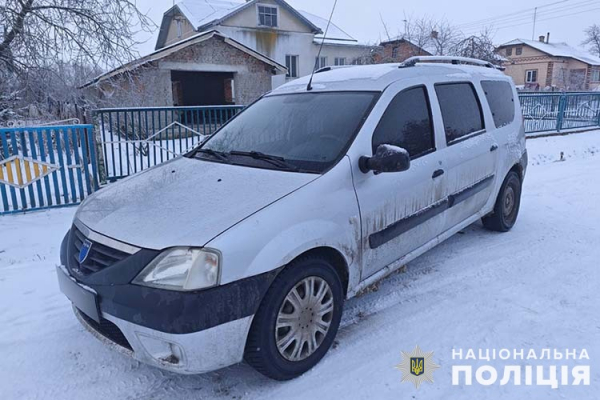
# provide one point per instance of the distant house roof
(203, 14)
(401, 39)
(166, 51)
(557, 50)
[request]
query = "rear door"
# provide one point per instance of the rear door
(470, 154)
(399, 210)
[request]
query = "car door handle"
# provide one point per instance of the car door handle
(494, 147)
(437, 172)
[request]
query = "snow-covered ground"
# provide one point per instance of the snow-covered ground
(534, 287)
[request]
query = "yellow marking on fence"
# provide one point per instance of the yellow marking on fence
(1, 172)
(19, 172)
(36, 170)
(9, 172)
(27, 170)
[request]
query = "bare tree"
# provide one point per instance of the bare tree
(93, 31)
(592, 39)
(480, 46)
(444, 37)
(49, 47)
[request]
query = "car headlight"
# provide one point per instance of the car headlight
(183, 269)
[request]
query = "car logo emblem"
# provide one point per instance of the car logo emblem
(85, 251)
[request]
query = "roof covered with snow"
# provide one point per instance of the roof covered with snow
(557, 50)
(333, 33)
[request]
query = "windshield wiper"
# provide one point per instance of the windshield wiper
(275, 160)
(217, 154)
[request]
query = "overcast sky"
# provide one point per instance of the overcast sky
(510, 19)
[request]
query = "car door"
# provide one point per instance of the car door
(399, 210)
(470, 150)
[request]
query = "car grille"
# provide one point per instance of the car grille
(99, 257)
(108, 330)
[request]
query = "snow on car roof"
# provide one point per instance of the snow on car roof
(378, 76)
(557, 50)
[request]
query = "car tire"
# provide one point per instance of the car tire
(291, 301)
(506, 209)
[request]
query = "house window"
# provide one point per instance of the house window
(395, 52)
(267, 16)
(320, 62)
(595, 75)
(357, 61)
(179, 24)
(531, 76)
(509, 51)
(340, 61)
(291, 62)
(519, 51)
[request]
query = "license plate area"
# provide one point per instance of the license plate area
(85, 299)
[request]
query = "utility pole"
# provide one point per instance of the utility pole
(534, 18)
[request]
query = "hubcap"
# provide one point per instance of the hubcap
(304, 318)
(509, 201)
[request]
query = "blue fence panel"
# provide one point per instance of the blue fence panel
(134, 139)
(51, 166)
(553, 112)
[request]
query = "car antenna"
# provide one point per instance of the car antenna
(309, 86)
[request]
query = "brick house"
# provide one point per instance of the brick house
(542, 65)
(398, 50)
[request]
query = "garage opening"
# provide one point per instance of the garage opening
(202, 88)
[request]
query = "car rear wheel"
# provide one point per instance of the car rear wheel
(297, 320)
(506, 209)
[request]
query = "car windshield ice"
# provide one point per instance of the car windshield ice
(304, 132)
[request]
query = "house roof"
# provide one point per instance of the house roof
(557, 50)
(401, 39)
(203, 14)
(333, 33)
(166, 51)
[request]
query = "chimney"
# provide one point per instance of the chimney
(542, 39)
(548, 37)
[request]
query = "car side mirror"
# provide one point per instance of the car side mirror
(387, 158)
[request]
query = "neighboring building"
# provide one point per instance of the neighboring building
(271, 27)
(541, 65)
(398, 50)
(204, 69)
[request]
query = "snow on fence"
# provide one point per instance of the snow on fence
(42, 167)
(134, 139)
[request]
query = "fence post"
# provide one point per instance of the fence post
(561, 111)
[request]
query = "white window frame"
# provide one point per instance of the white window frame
(339, 61)
(320, 62)
(529, 72)
(273, 6)
(290, 69)
(595, 75)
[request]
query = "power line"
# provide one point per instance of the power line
(527, 15)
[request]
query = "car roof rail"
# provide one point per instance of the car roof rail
(449, 60)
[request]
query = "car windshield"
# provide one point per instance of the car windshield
(302, 132)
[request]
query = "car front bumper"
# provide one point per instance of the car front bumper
(191, 353)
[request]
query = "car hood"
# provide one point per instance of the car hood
(185, 202)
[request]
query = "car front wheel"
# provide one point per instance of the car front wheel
(297, 320)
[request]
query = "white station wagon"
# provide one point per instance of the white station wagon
(246, 247)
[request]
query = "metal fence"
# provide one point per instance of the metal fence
(134, 139)
(42, 167)
(546, 112)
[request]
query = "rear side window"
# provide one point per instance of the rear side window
(499, 96)
(461, 110)
(406, 123)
